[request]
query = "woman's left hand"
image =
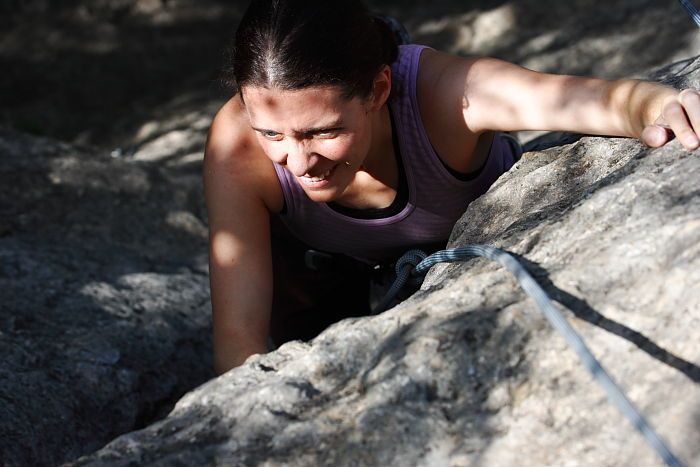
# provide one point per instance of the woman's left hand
(680, 115)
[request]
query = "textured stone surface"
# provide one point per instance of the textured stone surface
(467, 371)
(104, 313)
(104, 317)
(118, 65)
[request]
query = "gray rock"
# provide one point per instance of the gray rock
(104, 310)
(467, 371)
(104, 317)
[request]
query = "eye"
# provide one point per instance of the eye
(271, 135)
(327, 133)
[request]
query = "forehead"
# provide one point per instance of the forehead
(271, 107)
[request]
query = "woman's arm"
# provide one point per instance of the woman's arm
(237, 190)
(498, 95)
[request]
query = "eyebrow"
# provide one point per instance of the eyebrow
(336, 125)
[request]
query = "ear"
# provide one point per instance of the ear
(381, 88)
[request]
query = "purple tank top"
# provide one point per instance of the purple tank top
(436, 198)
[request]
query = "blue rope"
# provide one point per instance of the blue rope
(404, 266)
(530, 286)
(692, 11)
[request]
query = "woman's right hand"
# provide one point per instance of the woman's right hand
(231, 351)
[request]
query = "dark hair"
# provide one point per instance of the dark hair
(295, 44)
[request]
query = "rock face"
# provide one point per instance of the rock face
(467, 371)
(104, 317)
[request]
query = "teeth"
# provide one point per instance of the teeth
(318, 179)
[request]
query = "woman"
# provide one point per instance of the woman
(341, 142)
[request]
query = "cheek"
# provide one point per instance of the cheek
(338, 148)
(333, 150)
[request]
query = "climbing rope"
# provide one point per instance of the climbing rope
(416, 263)
(692, 11)
(404, 266)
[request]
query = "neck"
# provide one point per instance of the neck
(376, 181)
(380, 162)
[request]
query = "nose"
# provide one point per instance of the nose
(300, 157)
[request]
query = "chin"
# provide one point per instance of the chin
(322, 196)
(332, 190)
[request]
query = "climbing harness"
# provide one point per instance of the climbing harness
(692, 11)
(416, 263)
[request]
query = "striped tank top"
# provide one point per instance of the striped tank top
(430, 198)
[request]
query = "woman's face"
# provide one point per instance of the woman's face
(315, 133)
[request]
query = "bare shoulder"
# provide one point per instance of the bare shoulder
(234, 161)
(442, 101)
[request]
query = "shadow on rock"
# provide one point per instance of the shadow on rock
(105, 313)
(582, 310)
(112, 63)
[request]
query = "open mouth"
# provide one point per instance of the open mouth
(318, 180)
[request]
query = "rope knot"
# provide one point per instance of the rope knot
(410, 260)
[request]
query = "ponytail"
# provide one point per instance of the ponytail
(388, 39)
